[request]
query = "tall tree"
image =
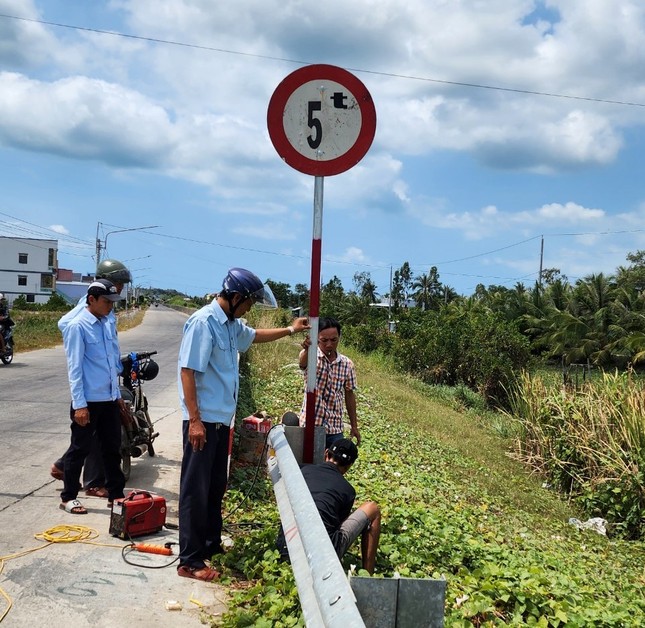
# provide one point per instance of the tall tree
(365, 287)
(428, 290)
(281, 292)
(301, 296)
(331, 298)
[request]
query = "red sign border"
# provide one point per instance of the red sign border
(275, 116)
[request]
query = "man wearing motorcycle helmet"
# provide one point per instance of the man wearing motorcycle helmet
(208, 391)
(93, 474)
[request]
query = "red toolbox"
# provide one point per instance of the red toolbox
(137, 514)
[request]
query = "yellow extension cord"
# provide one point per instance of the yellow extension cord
(58, 534)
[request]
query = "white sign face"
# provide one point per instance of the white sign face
(322, 120)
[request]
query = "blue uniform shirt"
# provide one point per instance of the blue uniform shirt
(209, 346)
(65, 320)
(93, 363)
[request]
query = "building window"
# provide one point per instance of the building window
(31, 298)
(22, 280)
(22, 258)
(47, 281)
(51, 258)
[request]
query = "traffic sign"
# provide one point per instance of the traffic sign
(321, 120)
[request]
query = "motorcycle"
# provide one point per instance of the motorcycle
(137, 431)
(7, 334)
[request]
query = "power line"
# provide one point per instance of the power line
(426, 79)
(40, 229)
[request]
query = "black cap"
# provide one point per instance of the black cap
(104, 288)
(344, 451)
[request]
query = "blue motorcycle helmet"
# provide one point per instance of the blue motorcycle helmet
(244, 282)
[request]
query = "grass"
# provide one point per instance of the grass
(590, 443)
(484, 455)
(455, 505)
(39, 330)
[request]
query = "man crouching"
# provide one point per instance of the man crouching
(334, 498)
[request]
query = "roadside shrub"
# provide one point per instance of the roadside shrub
(589, 443)
(479, 350)
(372, 335)
(20, 303)
(55, 303)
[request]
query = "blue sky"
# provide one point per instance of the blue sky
(105, 133)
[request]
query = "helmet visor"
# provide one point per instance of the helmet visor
(264, 297)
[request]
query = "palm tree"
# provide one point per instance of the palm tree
(428, 290)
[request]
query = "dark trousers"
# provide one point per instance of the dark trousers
(93, 473)
(201, 490)
(105, 421)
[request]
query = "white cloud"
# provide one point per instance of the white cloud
(569, 212)
(59, 229)
(351, 255)
(200, 114)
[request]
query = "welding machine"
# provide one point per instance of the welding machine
(136, 514)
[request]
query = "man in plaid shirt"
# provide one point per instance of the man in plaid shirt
(335, 384)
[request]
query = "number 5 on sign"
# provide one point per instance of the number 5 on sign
(321, 120)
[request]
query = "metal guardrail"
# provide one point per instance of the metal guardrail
(325, 594)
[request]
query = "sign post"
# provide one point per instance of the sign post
(321, 120)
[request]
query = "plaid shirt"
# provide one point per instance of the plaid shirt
(332, 379)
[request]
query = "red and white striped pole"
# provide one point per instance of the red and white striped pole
(314, 311)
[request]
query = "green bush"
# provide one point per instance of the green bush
(55, 303)
(372, 335)
(479, 350)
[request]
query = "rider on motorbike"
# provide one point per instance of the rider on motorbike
(4, 316)
(93, 475)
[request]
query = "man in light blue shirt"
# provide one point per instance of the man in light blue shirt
(93, 365)
(208, 391)
(93, 474)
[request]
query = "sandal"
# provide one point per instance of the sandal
(206, 574)
(97, 491)
(73, 507)
(56, 473)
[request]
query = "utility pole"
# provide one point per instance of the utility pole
(98, 245)
(389, 300)
(541, 261)
(103, 246)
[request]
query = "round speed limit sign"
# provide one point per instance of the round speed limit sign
(321, 120)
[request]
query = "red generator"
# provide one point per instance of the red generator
(137, 514)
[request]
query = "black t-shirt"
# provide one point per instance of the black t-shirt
(333, 494)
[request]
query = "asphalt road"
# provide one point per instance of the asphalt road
(88, 584)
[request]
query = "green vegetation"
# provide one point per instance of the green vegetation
(37, 327)
(590, 444)
(436, 457)
(455, 505)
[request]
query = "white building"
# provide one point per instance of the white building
(28, 267)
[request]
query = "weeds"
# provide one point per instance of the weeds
(590, 443)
